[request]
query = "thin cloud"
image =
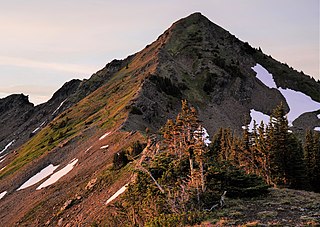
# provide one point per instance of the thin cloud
(23, 62)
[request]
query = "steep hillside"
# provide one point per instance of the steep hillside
(205, 64)
(77, 133)
(87, 123)
(20, 120)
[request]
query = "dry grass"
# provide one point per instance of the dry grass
(281, 207)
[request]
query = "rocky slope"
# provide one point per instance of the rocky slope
(89, 121)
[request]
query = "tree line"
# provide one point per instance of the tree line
(273, 152)
(179, 179)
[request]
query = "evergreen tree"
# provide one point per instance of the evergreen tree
(186, 176)
(278, 137)
(309, 156)
(316, 151)
(312, 159)
(286, 156)
(294, 165)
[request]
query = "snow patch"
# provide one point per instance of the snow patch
(56, 176)
(264, 76)
(45, 172)
(2, 194)
(299, 103)
(104, 136)
(7, 146)
(34, 131)
(318, 116)
(3, 168)
(317, 129)
(119, 192)
(104, 147)
(59, 107)
(258, 117)
(205, 135)
(2, 159)
(88, 149)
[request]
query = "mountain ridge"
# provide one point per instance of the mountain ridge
(91, 120)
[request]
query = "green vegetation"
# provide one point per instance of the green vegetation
(312, 159)
(178, 181)
(123, 157)
(104, 108)
(269, 151)
(165, 84)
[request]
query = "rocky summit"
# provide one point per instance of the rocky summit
(62, 151)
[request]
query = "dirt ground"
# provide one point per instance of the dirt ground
(281, 207)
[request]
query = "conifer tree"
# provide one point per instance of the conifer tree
(278, 137)
(312, 159)
(309, 155)
(200, 153)
(286, 155)
(316, 151)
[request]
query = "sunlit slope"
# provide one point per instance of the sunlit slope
(106, 108)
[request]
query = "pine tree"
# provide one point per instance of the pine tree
(263, 153)
(286, 156)
(316, 151)
(278, 137)
(295, 167)
(200, 153)
(309, 156)
(312, 159)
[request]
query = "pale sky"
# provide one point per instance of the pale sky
(45, 43)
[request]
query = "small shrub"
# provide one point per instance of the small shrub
(165, 84)
(137, 148)
(120, 159)
(135, 110)
(182, 219)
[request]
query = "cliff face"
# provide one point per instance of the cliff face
(212, 69)
(91, 120)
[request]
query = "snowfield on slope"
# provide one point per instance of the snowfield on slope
(2, 194)
(88, 149)
(56, 176)
(258, 117)
(7, 146)
(264, 76)
(59, 106)
(34, 131)
(2, 158)
(104, 136)
(115, 195)
(298, 102)
(45, 172)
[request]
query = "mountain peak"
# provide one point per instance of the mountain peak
(195, 17)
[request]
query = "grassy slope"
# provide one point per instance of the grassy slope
(104, 108)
